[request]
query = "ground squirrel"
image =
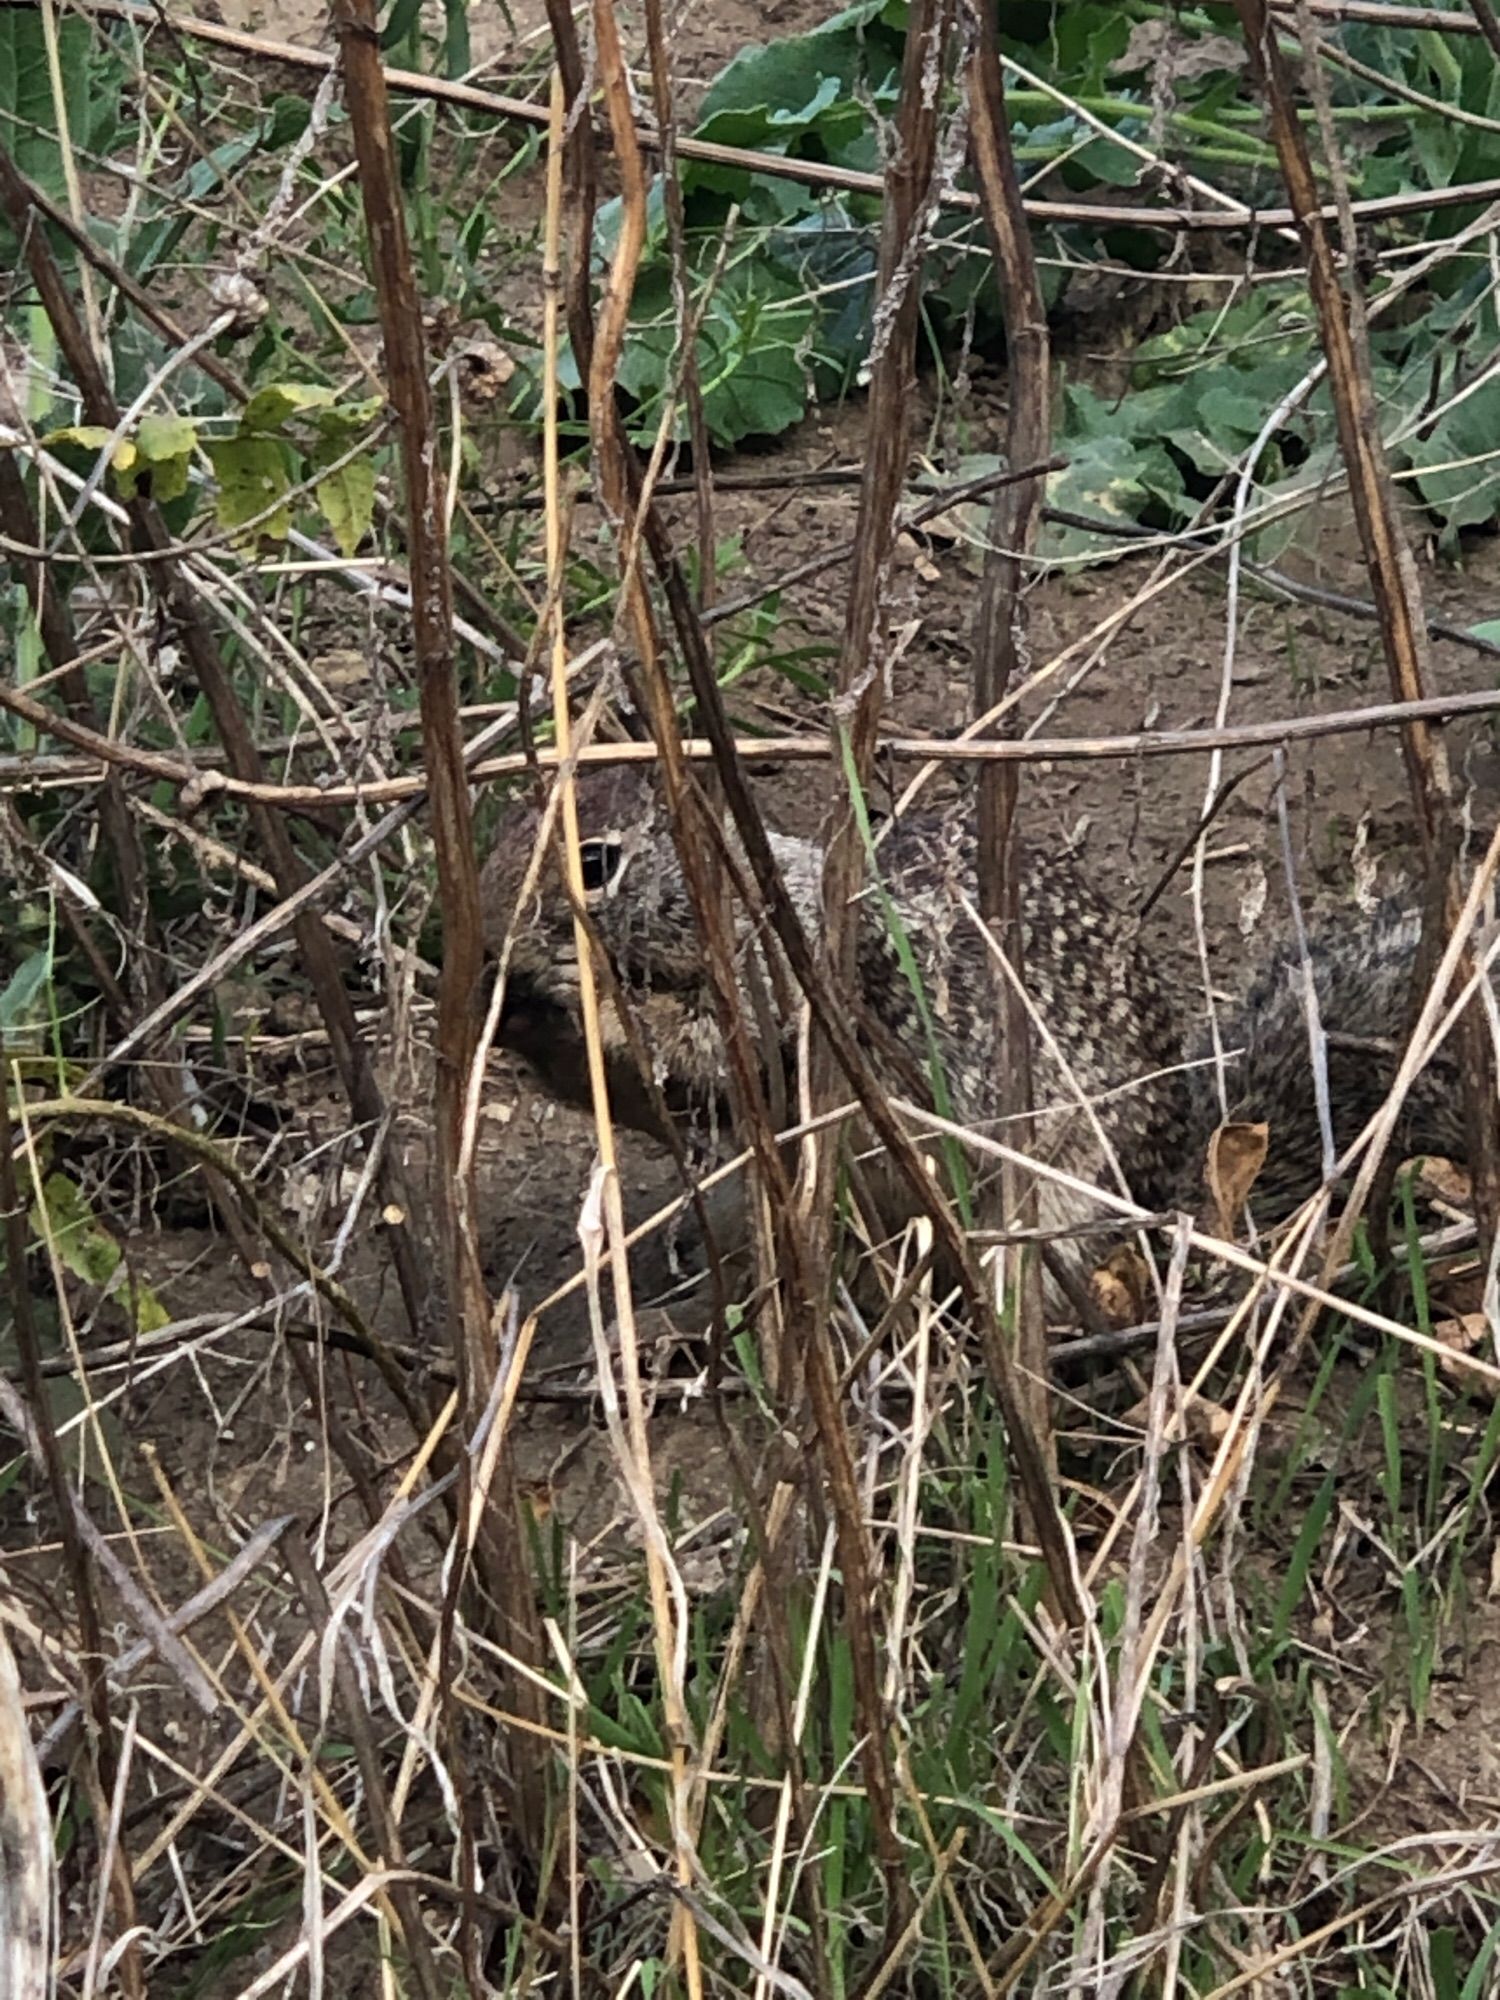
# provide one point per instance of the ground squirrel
(1110, 1029)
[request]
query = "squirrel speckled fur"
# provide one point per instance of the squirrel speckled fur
(1126, 1099)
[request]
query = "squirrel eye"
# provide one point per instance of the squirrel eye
(601, 861)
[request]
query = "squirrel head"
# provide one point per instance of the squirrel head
(632, 896)
(631, 888)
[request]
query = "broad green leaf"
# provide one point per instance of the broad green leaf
(788, 75)
(270, 409)
(1458, 472)
(750, 363)
(1108, 162)
(1103, 479)
(339, 419)
(1085, 42)
(1226, 407)
(86, 1249)
(28, 110)
(253, 477)
(1438, 146)
(163, 437)
(164, 447)
(82, 1246)
(347, 498)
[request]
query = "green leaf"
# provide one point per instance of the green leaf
(1474, 1986)
(82, 1246)
(399, 23)
(1225, 406)
(24, 1007)
(1490, 629)
(253, 477)
(750, 364)
(788, 75)
(164, 447)
(1103, 478)
(86, 1248)
(28, 110)
(347, 498)
(164, 437)
(1107, 161)
(1458, 475)
(271, 408)
(337, 420)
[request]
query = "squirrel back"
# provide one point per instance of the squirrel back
(1118, 1104)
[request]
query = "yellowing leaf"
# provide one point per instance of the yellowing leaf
(86, 1248)
(253, 477)
(92, 437)
(341, 418)
(347, 498)
(162, 438)
(82, 1246)
(269, 409)
(166, 447)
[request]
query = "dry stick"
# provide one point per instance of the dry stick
(668, 1600)
(99, 1765)
(689, 817)
(687, 319)
(1488, 22)
(701, 874)
(505, 1569)
(580, 182)
(1394, 585)
(999, 641)
(28, 1855)
(403, 1895)
(408, 792)
(1382, 14)
(183, 610)
(859, 686)
(813, 173)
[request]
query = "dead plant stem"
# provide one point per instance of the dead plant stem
(501, 1559)
(1000, 646)
(668, 1602)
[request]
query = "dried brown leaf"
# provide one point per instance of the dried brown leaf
(1121, 1286)
(1236, 1154)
